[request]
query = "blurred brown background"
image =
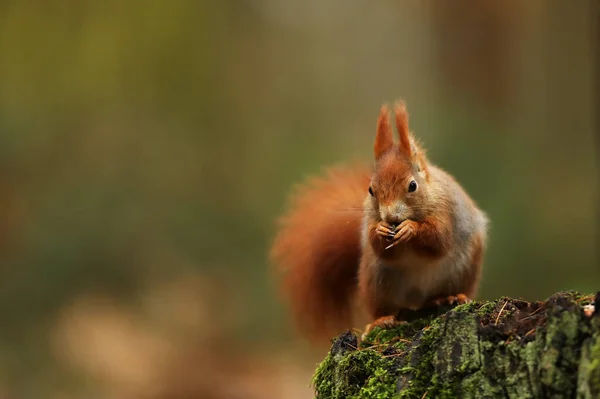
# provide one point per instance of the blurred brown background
(146, 148)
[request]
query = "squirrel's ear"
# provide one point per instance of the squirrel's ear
(419, 156)
(406, 145)
(384, 139)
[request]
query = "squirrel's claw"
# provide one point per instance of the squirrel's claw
(406, 231)
(458, 299)
(384, 230)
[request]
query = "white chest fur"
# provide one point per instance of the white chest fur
(413, 278)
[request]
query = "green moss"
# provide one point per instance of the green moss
(381, 385)
(560, 347)
(403, 331)
(479, 308)
(418, 376)
(594, 367)
(356, 374)
(582, 299)
(503, 348)
(588, 383)
(477, 385)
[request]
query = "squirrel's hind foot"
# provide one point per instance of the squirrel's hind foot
(457, 299)
(384, 322)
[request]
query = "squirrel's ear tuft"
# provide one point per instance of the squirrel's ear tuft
(384, 139)
(406, 146)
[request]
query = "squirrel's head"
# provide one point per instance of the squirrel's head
(399, 186)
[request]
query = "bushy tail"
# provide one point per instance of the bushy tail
(316, 252)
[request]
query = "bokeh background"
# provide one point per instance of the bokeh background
(147, 147)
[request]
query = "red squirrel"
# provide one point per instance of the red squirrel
(400, 235)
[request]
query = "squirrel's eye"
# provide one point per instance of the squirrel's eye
(412, 186)
(371, 191)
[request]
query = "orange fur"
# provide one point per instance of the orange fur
(357, 233)
(317, 250)
(407, 274)
(383, 136)
(402, 127)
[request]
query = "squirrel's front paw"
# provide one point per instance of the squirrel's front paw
(385, 230)
(405, 231)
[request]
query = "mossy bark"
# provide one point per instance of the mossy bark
(506, 348)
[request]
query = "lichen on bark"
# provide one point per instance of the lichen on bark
(508, 348)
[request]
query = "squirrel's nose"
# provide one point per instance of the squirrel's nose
(390, 218)
(392, 214)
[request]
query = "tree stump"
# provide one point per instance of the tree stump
(507, 348)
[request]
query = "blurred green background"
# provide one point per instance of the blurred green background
(147, 147)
